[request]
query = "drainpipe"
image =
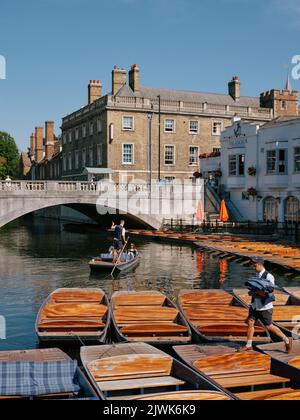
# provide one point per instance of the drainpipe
(257, 169)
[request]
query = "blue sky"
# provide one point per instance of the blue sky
(54, 47)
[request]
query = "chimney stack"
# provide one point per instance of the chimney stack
(234, 88)
(118, 79)
(39, 144)
(134, 78)
(94, 91)
(49, 139)
(32, 145)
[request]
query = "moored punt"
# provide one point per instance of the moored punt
(215, 315)
(294, 292)
(286, 310)
(147, 316)
(61, 378)
(284, 363)
(249, 375)
(74, 315)
(138, 371)
(105, 263)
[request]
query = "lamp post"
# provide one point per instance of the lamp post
(150, 118)
(159, 137)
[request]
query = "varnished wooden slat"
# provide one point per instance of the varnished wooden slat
(234, 363)
(138, 298)
(268, 394)
(254, 380)
(59, 310)
(130, 366)
(153, 382)
(184, 396)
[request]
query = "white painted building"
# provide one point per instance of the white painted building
(260, 167)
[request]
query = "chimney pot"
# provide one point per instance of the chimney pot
(234, 88)
(94, 91)
(118, 79)
(134, 78)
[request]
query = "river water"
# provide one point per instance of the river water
(37, 257)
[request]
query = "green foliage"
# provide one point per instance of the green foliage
(9, 156)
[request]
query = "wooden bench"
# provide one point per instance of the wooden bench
(80, 296)
(78, 310)
(144, 383)
(226, 328)
(205, 298)
(184, 396)
(154, 329)
(268, 394)
(281, 297)
(141, 298)
(134, 371)
(286, 313)
(295, 362)
(240, 370)
(218, 313)
(144, 314)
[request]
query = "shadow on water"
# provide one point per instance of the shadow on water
(39, 257)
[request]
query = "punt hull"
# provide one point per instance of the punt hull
(118, 337)
(194, 379)
(73, 338)
(199, 338)
(102, 266)
(286, 331)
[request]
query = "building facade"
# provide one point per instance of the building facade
(138, 133)
(44, 155)
(260, 169)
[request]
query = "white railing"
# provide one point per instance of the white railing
(69, 187)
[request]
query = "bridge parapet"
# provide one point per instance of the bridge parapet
(69, 186)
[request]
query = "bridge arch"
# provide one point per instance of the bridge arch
(16, 202)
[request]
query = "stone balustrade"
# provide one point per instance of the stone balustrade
(196, 108)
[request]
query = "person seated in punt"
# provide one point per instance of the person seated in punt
(133, 252)
(262, 306)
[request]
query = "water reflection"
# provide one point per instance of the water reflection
(37, 258)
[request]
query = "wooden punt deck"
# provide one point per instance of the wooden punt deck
(286, 309)
(237, 247)
(285, 256)
(215, 315)
(139, 371)
(249, 375)
(294, 292)
(284, 362)
(70, 314)
(148, 316)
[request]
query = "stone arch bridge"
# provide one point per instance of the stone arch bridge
(145, 205)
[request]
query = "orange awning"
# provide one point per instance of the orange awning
(224, 216)
(200, 212)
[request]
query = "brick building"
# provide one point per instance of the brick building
(44, 155)
(135, 131)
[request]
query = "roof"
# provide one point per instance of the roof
(281, 120)
(188, 96)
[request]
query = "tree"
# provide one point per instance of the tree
(9, 156)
